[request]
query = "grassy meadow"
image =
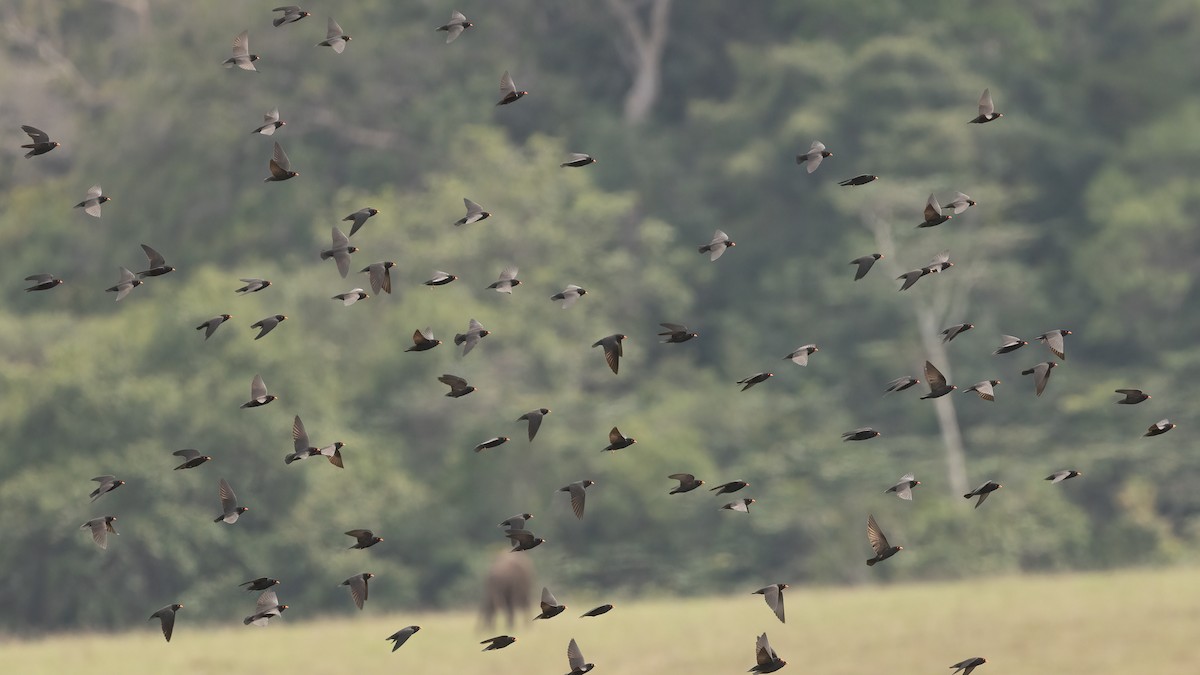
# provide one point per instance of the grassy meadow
(1142, 622)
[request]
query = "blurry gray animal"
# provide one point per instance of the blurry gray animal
(507, 587)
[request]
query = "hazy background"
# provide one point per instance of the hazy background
(1086, 221)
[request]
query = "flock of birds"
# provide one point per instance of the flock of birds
(515, 528)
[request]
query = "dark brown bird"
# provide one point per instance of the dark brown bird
(335, 37)
(937, 382)
(508, 280)
(191, 458)
(1041, 374)
(363, 538)
(578, 159)
(508, 90)
(359, 588)
(158, 265)
(861, 434)
(1133, 396)
(301, 446)
(491, 443)
(687, 483)
(1159, 428)
(575, 660)
(676, 333)
(498, 642)
(516, 522)
(95, 198)
(42, 282)
(613, 350)
(107, 484)
(987, 110)
(267, 607)
(340, 252)
(940, 263)
(259, 584)
(773, 594)
(933, 213)
(1054, 340)
(983, 491)
(100, 528)
(578, 493)
(1009, 343)
(618, 441)
(401, 636)
(862, 179)
(534, 419)
(901, 383)
(209, 327)
(754, 379)
(955, 330)
(799, 356)
(253, 285)
(242, 58)
(742, 505)
(258, 393)
(813, 157)
(468, 340)
(41, 141)
(904, 488)
(440, 278)
(475, 213)
(716, 248)
(280, 166)
(968, 665)
(458, 386)
(1066, 474)
(267, 325)
(766, 660)
(985, 389)
(602, 609)
(291, 14)
(523, 540)
(730, 487)
(360, 218)
(167, 616)
(864, 264)
(127, 283)
(457, 24)
(550, 606)
(569, 295)
(423, 340)
(879, 543)
(271, 122)
(960, 203)
(229, 504)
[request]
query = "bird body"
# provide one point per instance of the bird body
(1041, 374)
(602, 609)
(440, 278)
(1159, 428)
(933, 213)
(491, 443)
(862, 179)
(757, 378)
(730, 487)
(799, 356)
(577, 490)
(508, 280)
(766, 660)
(570, 295)
(267, 607)
(1009, 343)
(475, 213)
(360, 218)
(41, 141)
(1060, 476)
(1054, 340)
(280, 166)
(575, 660)
(860, 434)
(271, 122)
(253, 285)
(985, 389)
(42, 282)
(267, 324)
(549, 605)
(458, 386)
(106, 484)
(955, 330)
(901, 383)
(676, 333)
(363, 539)
(423, 340)
(100, 528)
(127, 283)
(1133, 396)
(498, 642)
(291, 14)
(351, 296)
(578, 159)
(229, 504)
(401, 636)
(258, 393)
(340, 251)
(742, 505)
(967, 665)
(468, 340)
(533, 419)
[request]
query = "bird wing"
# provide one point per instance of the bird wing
(1054, 340)
(280, 159)
(933, 210)
(774, 598)
(940, 259)
(453, 381)
(875, 535)
(763, 653)
(378, 274)
(188, 454)
(615, 436)
(961, 202)
(94, 192)
(241, 45)
(473, 326)
(799, 357)
(167, 615)
(683, 478)
(229, 502)
(99, 532)
(342, 258)
(156, 258)
(267, 600)
(575, 658)
(35, 134)
(358, 589)
(1041, 374)
(986, 107)
(258, 388)
(508, 273)
(453, 30)
(1130, 392)
(299, 436)
(271, 117)
(548, 600)
(333, 30)
(578, 495)
(934, 376)
(507, 86)
(535, 422)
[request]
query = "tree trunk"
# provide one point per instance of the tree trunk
(642, 50)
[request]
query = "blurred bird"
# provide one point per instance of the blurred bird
(864, 264)
(229, 504)
(904, 488)
(266, 608)
(575, 660)
(335, 37)
(968, 665)
(401, 636)
(523, 540)
(754, 379)
(901, 383)
(252, 285)
(550, 606)
(351, 296)
(687, 483)
(508, 280)
(1054, 340)
(578, 159)
(516, 522)
(454, 27)
(340, 252)
(676, 333)
(280, 166)
(271, 122)
(1041, 374)
(41, 141)
(491, 443)
(940, 263)
(773, 595)
(960, 203)
(1159, 428)
(267, 324)
(613, 350)
(578, 495)
(191, 458)
(301, 446)
(766, 660)
(813, 157)
(95, 198)
(534, 419)
(158, 265)
(423, 340)
(879, 543)
(475, 213)
(800, 355)
(468, 340)
(742, 505)
(862, 179)
(933, 213)
(209, 327)
(987, 110)
(860, 434)
(333, 453)
(100, 528)
(983, 491)
(716, 248)
(360, 218)
(242, 58)
(1009, 343)
(508, 90)
(258, 393)
(167, 616)
(955, 330)
(363, 538)
(291, 14)
(107, 484)
(1060, 476)
(259, 584)
(984, 389)
(618, 441)
(42, 282)
(440, 279)
(498, 642)
(937, 382)
(569, 295)
(602, 609)
(1132, 396)
(127, 283)
(730, 487)
(358, 588)
(458, 386)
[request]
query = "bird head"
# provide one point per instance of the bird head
(368, 575)
(389, 264)
(582, 291)
(588, 483)
(338, 445)
(899, 548)
(485, 214)
(731, 243)
(207, 458)
(304, 14)
(120, 482)
(916, 482)
(177, 606)
(243, 509)
(227, 316)
(351, 249)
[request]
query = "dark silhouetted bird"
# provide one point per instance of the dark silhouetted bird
(773, 594)
(259, 584)
(468, 340)
(1060, 476)
(933, 213)
(860, 434)
(987, 110)
(351, 296)
(578, 159)
(516, 522)
(1041, 374)
(229, 504)
(577, 490)
(423, 340)
(475, 213)
(534, 419)
(613, 350)
(167, 616)
(191, 458)
(960, 203)
(267, 324)
(454, 27)
(358, 587)
(107, 484)
(508, 280)
(675, 333)
(904, 488)
(742, 505)
(985, 389)
(861, 179)
(983, 491)
(95, 198)
(569, 295)
(267, 607)
(209, 327)
(766, 660)
(937, 382)
(252, 285)
(754, 379)
(508, 90)
(335, 37)
(955, 330)
(813, 157)
(575, 660)
(291, 14)
(401, 636)
(42, 282)
(127, 283)
(280, 166)
(241, 57)
(100, 528)
(716, 248)
(158, 265)
(458, 386)
(1133, 396)
(901, 383)
(687, 483)
(360, 218)
(618, 441)
(441, 279)
(523, 540)
(879, 543)
(380, 275)
(491, 443)
(1159, 428)
(271, 122)
(258, 393)
(550, 606)
(1054, 340)
(1009, 343)
(602, 609)
(498, 642)
(972, 663)
(41, 141)
(799, 356)
(864, 264)
(363, 538)
(730, 487)
(340, 251)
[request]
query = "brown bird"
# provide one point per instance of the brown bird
(498, 642)
(1009, 343)
(1159, 428)
(901, 383)
(767, 661)
(864, 264)
(229, 504)
(613, 350)
(258, 393)
(280, 166)
(100, 528)
(602, 609)
(508, 90)
(861, 434)
(267, 325)
(676, 333)
(984, 389)
(754, 379)
(983, 491)
(1133, 396)
(575, 660)
(523, 540)
(933, 213)
(363, 538)
(550, 606)
(800, 355)
(731, 486)
(42, 282)
(578, 494)
(861, 179)
(380, 275)
(955, 330)
(1066, 474)
(423, 340)
(904, 488)
(742, 505)
(968, 665)
(1041, 374)
(813, 157)
(716, 248)
(107, 484)
(209, 327)
(267, 607)
(95, 198)
(491, 443)
(618, 441)
(773, 594)
(468, 340)
(458, 386)
(401, 636)
(41, 141)
(879, 543)
(359, 587)
(578, 159)
(937, 382)
(1054, 340)
(191, 458)
(167, 616)
(687, 483)
(987, 110)
(534, 420)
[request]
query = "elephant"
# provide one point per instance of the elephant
(508, 586)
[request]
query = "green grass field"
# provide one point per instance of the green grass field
(1143, 622)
